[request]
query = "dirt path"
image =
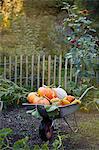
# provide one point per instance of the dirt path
(26, 125)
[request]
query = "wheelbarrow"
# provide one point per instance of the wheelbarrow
(46, 126)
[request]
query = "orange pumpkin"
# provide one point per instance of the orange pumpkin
(42, 91)
(54, 94)
(36, 100)
(47, 92)
(70, 98)
(65, 102)
(31, 96)
(44, 101)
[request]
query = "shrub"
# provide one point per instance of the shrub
(11, 94)
(81, 40)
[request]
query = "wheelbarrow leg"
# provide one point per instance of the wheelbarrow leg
(65, 120)
(46, 130)
(76, 124)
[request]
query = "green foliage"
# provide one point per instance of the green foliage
(34, 113)
(21, 144)
(31, 33)
(58, 143)
(81, 41)
(5, 142)
(41, 147)
(60, 3)
(76, 89)
(92, 5)
(11, 94)
(5, 132)
(51, 110)
(91, 102)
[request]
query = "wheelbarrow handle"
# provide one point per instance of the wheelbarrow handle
(92, 87)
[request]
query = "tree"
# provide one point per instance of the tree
(9, 9)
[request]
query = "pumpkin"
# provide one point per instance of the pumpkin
(50, 93)
(44, 101)
(36, 100)
(47, 92)
(31, 96)
(61, 93)
(70, 98)
(42, 91)
(65, 102)
(54, 100)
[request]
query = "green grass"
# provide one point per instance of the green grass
(90, 129)
(87, 138)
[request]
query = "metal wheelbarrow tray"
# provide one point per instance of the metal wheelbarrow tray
(46, 125)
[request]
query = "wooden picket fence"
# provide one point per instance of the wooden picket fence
(34, 71)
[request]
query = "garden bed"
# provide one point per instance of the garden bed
(24, 124)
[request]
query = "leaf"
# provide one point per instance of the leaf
(97, 101)
(21, 144)
(36, 114)
(51, 108)
(30, 111)
(68, 55)
(45, 147)
(5, 132)
(1, 17)
(36, 147)
(10, 93)
(1, 142)
(93, 30)
(69, 38)
(55, 144)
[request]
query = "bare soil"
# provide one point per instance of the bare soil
(24, 124)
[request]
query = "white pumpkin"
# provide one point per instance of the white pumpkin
(61, 93)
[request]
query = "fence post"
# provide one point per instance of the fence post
(15, 69)
(76, 77)
(38, 71)
(49, 68)
(32, 71)
(21, 70)
(5, 67)
(26, 70)
(60, 69)
(66, 62)
(10, 68)
(43, 70)
(71, 65)
(54, 70)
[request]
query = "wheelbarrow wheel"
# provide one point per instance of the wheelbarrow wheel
(46, 130)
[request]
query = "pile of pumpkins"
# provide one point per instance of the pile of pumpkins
(51, 96)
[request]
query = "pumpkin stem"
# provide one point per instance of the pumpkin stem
(48, 86)
(46, 98)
